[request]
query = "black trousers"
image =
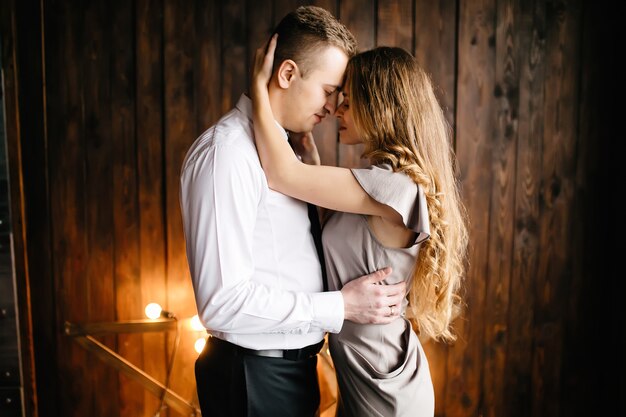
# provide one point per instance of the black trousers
(234, 384)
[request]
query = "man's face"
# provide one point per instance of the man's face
(311, 98)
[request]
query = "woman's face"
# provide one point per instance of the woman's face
(347, 131)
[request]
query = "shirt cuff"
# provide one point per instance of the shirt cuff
(328, 311)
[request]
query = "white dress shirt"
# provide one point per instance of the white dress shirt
(255, 271)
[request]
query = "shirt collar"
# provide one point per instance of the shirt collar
(244, 105)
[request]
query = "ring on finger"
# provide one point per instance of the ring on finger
(392, 310)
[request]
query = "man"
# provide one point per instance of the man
(253, 261)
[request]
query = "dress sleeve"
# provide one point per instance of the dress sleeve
(399, 192)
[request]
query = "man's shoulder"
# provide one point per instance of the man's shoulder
(231, 136)
(233, 129)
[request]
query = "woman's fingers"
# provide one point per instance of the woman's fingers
(269, 56)
(264, 59)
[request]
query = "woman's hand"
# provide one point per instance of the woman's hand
(304, 146)
(263, 61)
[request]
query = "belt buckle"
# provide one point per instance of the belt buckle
(268, 353)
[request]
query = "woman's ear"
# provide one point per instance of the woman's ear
(287, 70)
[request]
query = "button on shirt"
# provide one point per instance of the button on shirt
(255, 270)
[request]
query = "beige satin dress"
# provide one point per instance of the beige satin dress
(381, 369)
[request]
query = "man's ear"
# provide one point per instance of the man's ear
(287, 70)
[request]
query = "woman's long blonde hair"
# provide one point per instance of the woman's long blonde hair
(401, 123)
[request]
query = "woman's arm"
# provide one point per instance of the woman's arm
(326, 186)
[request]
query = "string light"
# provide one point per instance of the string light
(199, 345)
(196, 324)
(153, 311)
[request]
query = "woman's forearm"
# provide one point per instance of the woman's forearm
(277, 158)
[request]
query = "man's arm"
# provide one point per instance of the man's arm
(220, 193)
(219, 199)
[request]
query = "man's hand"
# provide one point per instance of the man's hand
(367, 300)
(304, 146)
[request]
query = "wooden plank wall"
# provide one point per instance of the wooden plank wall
(127, 87)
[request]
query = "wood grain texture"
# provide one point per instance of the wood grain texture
(360, 19)
(395, 24)
(556, 196)
(434, 39)
(282, 7)
(95, 62)
(502, 220)
(474, 146)
(207, 64)
(180, 132)
(127, 86)
(517, 379)
(235, 55)
(67, 211)
(150, 180)
(435, 43)
(326, 133)
(126, 238)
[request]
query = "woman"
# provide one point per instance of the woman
(403, 211)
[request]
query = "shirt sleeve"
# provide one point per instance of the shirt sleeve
(220, 193)
(399, 192)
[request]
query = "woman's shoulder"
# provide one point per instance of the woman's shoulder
(398, 191)
(382, 180)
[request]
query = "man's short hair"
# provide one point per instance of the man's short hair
(305, 32)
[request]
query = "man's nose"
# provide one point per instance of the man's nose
(331, 103)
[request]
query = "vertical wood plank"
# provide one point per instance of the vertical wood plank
(557, 193)
(517, 369)
(528, 200)
(180, 132)
(125, 199)
(67, 184)
(435, 34)
(435, 48)
(260, 14)
(501, 222)
(235, 57)
(208, 64)
(360, 19)
(325, 133)
(475, 106)
(95, 65)
(395, 24)
(330, 5)
(282, 7)
(150, 162)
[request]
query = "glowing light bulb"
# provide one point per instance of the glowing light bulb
(196, 324)
(153, 311)
(199, 345)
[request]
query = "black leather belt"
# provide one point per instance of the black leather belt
(289, 354)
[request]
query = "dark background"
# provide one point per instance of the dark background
(103, 98)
